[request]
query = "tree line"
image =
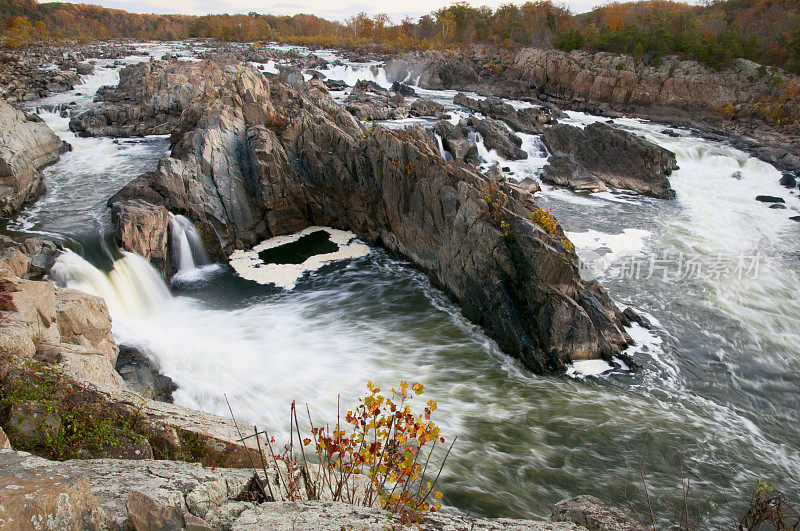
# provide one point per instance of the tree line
(767, 31)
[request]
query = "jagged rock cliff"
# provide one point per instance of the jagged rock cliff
(265, 159)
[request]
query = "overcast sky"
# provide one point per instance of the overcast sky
(331, 9)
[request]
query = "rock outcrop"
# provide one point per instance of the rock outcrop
(143, 228)
(59, 392)
(26, 146)
(266, 159)
(370, 101)
(617, 158)
(118, 494)
(527, 120)
(497, 136)
(594, 515)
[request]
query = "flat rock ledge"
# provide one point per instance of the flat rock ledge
(36, 493)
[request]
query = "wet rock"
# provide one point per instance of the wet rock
(455, 140)
(84, 69)
(528, 120)
(404, 90)
(335, 84)
(141, 374)
(795, 218)
(426, 107)
(594, 515)
(788, 180)
(563, 170)
(370, 101)
(769, 199)
(497, 136)
(778, 206)
(25, 148)
(617, 158)
(670, 132)
(737, 175)
(633, 316)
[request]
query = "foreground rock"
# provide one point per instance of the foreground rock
(26, 146)
(267, 159)
(116, 494)
(614, 157)
(594, 515)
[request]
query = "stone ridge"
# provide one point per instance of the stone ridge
(265, 158)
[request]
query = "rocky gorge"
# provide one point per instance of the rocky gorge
(264, 149)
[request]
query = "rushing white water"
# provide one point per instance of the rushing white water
(351, 74)
(187, 247)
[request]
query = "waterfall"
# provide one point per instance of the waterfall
(188, 252)
(132, 287)
(442, 151)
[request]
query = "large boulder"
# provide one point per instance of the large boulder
(143, 228)
(369, 101)
(26, 146)
(247, 176)
(455, 139)
(619, 159)
(497, 136)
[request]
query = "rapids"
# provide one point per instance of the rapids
(716, 400)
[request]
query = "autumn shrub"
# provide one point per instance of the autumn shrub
(769, 507)
(380, 454)
(545, 219)
(496, 199)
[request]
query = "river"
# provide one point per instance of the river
(716, 400)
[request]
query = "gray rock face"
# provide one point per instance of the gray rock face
(497, 136)
(369, 101)
(25, 147)
(456, 141)
(28, 259)
(158, 495)
(142, 376)
(143, 228)
(426, 107)
(132, 109)
(594, 515)
(528, 120)
(617, 158)
(564, 170)
(245, 175)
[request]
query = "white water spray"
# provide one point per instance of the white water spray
(188, 252)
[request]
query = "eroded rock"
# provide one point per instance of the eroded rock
(617, 158)
(25, 147)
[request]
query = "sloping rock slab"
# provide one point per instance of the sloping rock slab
(26, 146)
(618, 158)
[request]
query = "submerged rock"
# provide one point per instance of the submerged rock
(26, 146)
(617, 158)
(267, 159)
(769, 199)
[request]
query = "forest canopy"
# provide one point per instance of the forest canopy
(766, 31)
